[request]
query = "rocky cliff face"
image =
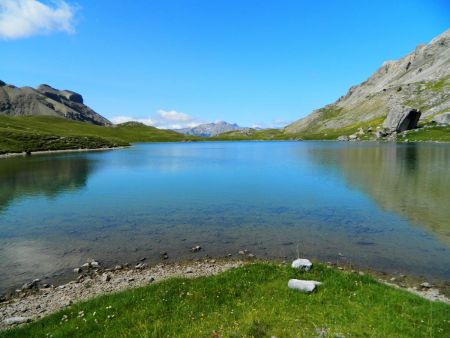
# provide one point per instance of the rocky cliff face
(48, 101)
(420, 80)
(210, 129)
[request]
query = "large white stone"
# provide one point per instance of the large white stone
(16, 320)
(303, 285)
(302, 264)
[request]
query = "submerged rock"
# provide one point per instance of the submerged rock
(303, 285)
(302, 264)
(196, 248)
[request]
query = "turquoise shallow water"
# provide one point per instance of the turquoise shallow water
(383, 206)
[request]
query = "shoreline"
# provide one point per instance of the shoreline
(93, 281)
(58, 151)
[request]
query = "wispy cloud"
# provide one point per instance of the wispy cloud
(163, 119)
(25, 18)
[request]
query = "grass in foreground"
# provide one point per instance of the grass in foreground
(251, 301)
(33, 133)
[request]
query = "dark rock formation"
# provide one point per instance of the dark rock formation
(46, 101)
(401, 120)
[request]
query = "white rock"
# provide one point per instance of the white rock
(106, 277)
(302, 285)
(302, 264)
(95, 264)
(16, 320)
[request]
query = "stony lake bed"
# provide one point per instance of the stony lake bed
(377, 206)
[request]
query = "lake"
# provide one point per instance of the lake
(383, 206)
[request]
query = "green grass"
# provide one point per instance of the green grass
(434, 133)
(32, 133)
(251, 301)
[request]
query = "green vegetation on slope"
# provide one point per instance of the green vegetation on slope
(429, 133)
(33, 133)
(251, 301)
(251, 134)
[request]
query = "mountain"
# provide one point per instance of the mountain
(46, 101)
(419, 81)
(210, 129)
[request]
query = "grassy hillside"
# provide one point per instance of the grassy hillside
(251, 301)
(33, 133)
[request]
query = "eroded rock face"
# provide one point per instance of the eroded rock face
(46, 101)
(443, 119)
(420, 79)
(401, 120)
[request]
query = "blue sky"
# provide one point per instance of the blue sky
(178, 63)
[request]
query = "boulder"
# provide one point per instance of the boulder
(302, 264)
(353, 137)
(16, 320)
(303, 285)
(401, 120)
(443, 119)
(2, 83)
(343, 138)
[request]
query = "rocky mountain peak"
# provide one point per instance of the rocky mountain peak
(419, 80)
(47, 101)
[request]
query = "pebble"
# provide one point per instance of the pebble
(77, 270)
(189, 270)
(118, 267)
(106, 277)
(151, 279)
(140, 266)
(426, 285)
(30, 285)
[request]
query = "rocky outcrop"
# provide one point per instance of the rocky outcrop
(420, 80)
(46, 101)
(401, 120)
(443, 119)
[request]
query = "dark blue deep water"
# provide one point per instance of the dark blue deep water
(382, 206)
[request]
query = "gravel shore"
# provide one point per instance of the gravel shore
(42, 301)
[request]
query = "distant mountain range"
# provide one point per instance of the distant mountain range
(46, 101)
(210, 129)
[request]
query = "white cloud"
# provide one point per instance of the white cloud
(162, 119)
(24, 18)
